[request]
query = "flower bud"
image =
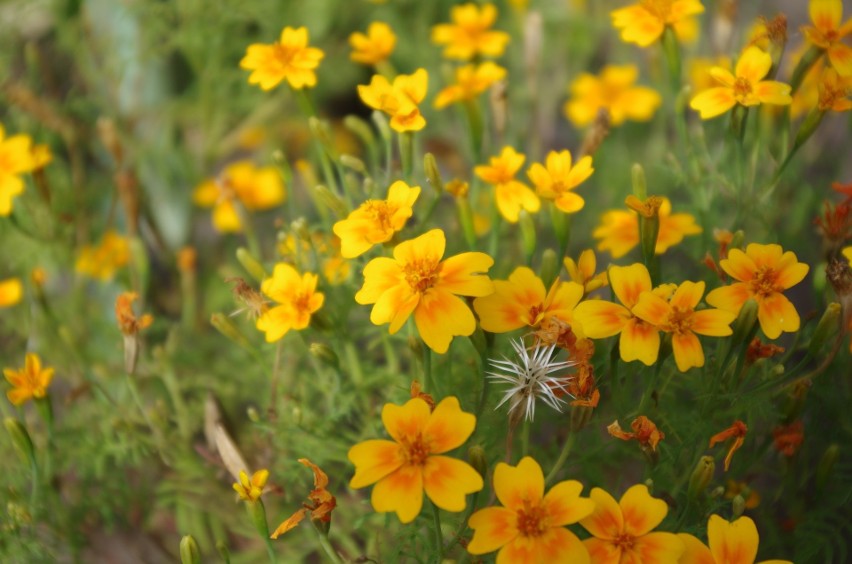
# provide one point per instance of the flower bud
(257, 512)
(353, 163)
(20, 439)
(330, 200)
(826, 328)
(360, 128)
(415, 345)
(223, 324)
(189, 551)
(701, 476)
(477, 459)
(826, 465)
(433, 174)
(251, 264)
(550, 267)
(745, 324)
(738, 505)
(223, 551)
(580, 416)
(640, 186)
(326, 354)
(528, 237)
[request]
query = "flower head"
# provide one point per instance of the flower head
(297, 299)
(16, 158)
(762, 273)
(557, 178)
(374, 47)
(788, 438)
(511, 196)
(11, 292)
(614, 91)
(412, 463)
(288, 59)
(582, 271)
(128, 323)
(471, 81)
(399, 99)
(745, 86)
(417, 281)
(251, 489)
(30, 381)
(470, 34)
(827, 33)
(102, 260)
(645, 432)
(644, 22)
(732, 542)
(322, 502)
(835, 92)
(737, 431)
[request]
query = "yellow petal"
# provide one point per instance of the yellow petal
(447, 481)
(429, 246)
(11, 292)
(753, 64)
(790, 271)
(440, 316)
(276, 322)
(713, 322)
(840, 56)
(448, 426)
(380, 274)
(401, 492)
(687, 351)
(628, 282)
(639, 341)
(515, 485)
(606, 521)
(777, 314)
(564, 506)
(826, 14)
(603, 551)
(466, 274)
(652, 308)
(687, 295)
(642, 513)
(713, 102)
(662, 548)
(493, 528)
(739, 265)
(695, 551)
(406, 422)
(373, 460)
(773, 92)
(730, 298)
(732, 542)
(601, 319)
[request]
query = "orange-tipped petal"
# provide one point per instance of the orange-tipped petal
(732, 542)
(777, 314)
(493, 527)
(687, 351)
(516, 484)
(642, 513)
(406, 422)
(440, 316)
(606, 521)
(400, 492)
(564, 505)
(447, 481)
(448, 426)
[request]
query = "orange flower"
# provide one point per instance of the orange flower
(322, 503)
(644, 431)
(11, 292)
(289, 59)
(828, 32)
(127, 320)
(613, 91)
(730, 543)
(736, 431)
(762, 273)
(470, 33)
(297, 299)
(788, 438)
(29, 382)
(556, 181)
(410, 464)
(417, 281)
(679, 318)
(619, 230)
(644, 22)
(583, 271)
(511, 195)
(622, 531)
(530, 527)
(374, 47)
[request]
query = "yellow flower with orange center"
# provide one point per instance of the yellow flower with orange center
(374, 47)
(16, 158)
(732, 542)
(399, 99)
(834, 92)
(582, 271)
(762, 272)
(255, 188)
(623, 531)
(557, 178)
(679, 318)
(745, 86)
(522, 301)
(613, 91)
(470, 34)
(530, 525)
(376, 221)
(511, 195)
(251, 489)
(471, 81)
(297, 299)
(288, 59)
(102, 260)
(828, 31)
(644, 22)
(11, 292)
(412, 463)
(417, 281)
(30, 381)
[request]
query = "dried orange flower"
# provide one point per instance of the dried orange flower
(644, 431)
(416, 391)
(736, 431)
(322, 503)
(788, 438)
(127, 320)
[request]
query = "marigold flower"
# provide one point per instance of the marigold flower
(583, 388)
(374, 47)
(732, 542)
(745, 87)
(399, 100)
(11, 292)
(827, 33)
(30, 381)
(644, 22)
(558, 178)
(128, 323)
(417, 281)
(288, 59)
(297, 299)
(322, 502)
(411, 463)
(834, 92)
(699, 71)
(614, 92)
(471, 81)
(376, 221)
(470, 33)
(622, 531)
(255, 188)
(251, 489)
(645, 432)
(762, 273)
(530, 525)
(582, 271)
(619, 230)
(788, 438)
(737, 432)
(511, 195)
(16, 158)
(102, 260)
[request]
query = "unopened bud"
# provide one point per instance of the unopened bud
(253, 415)
(717, 492)
(415, 345)
(738, 505)
(580, 416)
(20, 439)
(189, 553)
(223, 551)
(430, 165)
(257, 512)
(360, 128)
(528, 236)
(251, 264)
(330, 200)
(326, 354)
(701, 476)
(640, 186)
(827, 327)
(354, 163)
(223, 324)
(745, 324)
(476, 457)
(826, 465)
(549, 267)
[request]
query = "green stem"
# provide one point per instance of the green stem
(427, 368)
(563, 456)
(327, 548)
(181, 413)
(525, 437)
(439, 537)
(474, 122)
(406, 154)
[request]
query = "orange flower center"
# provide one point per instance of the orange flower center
(659, 8)
(764, 282)
(624, 541)
(285, 54)
(679, 321)
(380, 212)
(532, 520)
(416, 451)
(421, 274)
(742, 88)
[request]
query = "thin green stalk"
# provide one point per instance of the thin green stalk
(475, 128)
(181, 413)
(270, 552)
(525, 437)
(563, 456)
(327, 548)
(406, 154)
(427, 368)
(468, 512)
(439, 537)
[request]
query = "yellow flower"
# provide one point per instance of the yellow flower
(679, 317)
(834, 92)
(251, 490)
(644, 22)
(699, 71)
(417, 281)
(470, 33)
(511, 195)
(374, 47)
(255, 188)
(399, 100)
(297, 299)
(521, 301)
(614, 92)
(471, 81)
(730, 543)
(828, 32)
(101, 261)
(11, 292)
(556, 181)
(289, 59)
(16, 158)
(128, 323)
(745, 87)
(583, 271)
(411, 464)
(762, 273)
(31, 381)
(530, 526)
(376, 221)
(619, 230)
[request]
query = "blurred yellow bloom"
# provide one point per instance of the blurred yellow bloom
(557, 179)
(128, 323)
(30, 381)
(828, 31)
(699, 71)
(614, 92)
(102, 260)
(583, 271)
(11, 292)
(16, 158)
(471, 81)
(619, 230)
(255, 189)
(288, 59)
(745, 87)
(644, 22)
(297, 299)
(374, 47)
(399, 100)
(511, 195)
(251, 489)
(417, 281)
(376, 221)
(470, 33)
(335, 268)
(834, 92)
(732, 542)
